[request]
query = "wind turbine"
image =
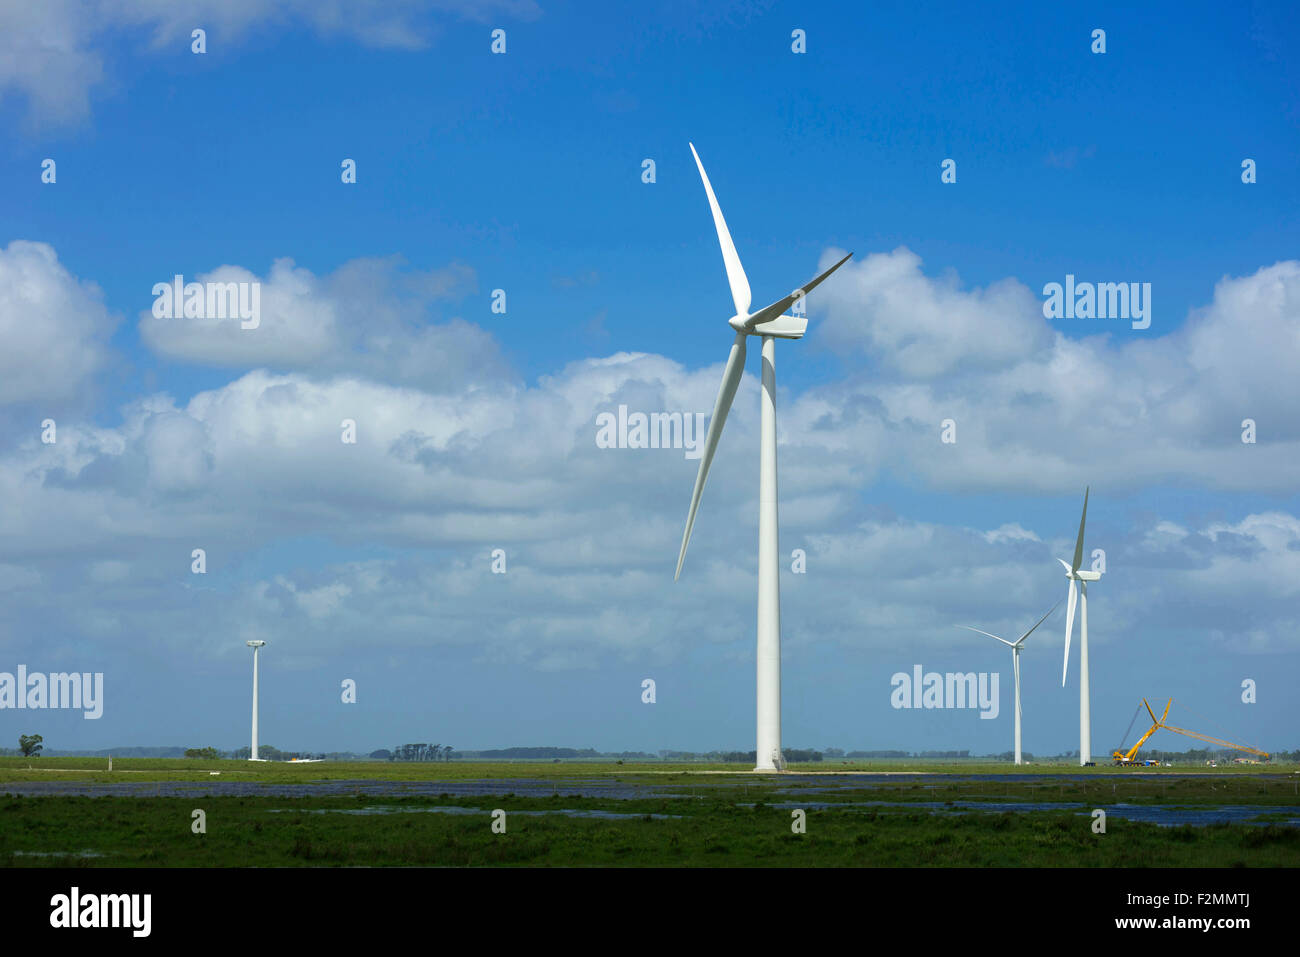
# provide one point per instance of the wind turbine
(1079, 593)
(770, 323)
(255, 645)
(1015, 664)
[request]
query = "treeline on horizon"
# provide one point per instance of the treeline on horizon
(437, 752)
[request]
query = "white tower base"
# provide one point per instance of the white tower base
(252, 754)
(768, 748)
(1015, 666)
(1085, 701)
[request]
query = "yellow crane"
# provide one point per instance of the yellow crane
(1122, 757)
(1126, 757)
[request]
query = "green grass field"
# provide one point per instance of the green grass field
(700, 818)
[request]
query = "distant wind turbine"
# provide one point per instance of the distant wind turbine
(1015, 664)
(771, 323)
(1079, 592)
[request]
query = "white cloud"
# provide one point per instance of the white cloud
(444, 472)
(368, 317)
(1037, 410)
(50, 49)
(925, 327)
(1011, 532)
(442, 480)
(1163, 535)
(54, 327)
(44, 58)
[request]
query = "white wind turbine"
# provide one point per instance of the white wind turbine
(1015, 664)
(771, 323)
(256, 646)
(1079, 592)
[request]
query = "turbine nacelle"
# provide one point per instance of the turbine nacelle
(1081, 574)
(783, 327)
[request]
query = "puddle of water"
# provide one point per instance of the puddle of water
(617, 789)
(1164, 815)
(495, 787)
(388, 809)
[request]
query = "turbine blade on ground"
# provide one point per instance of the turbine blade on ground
(781, 305)
(731, 376)
(1078, 545)
(740, 294)
(1073, 597)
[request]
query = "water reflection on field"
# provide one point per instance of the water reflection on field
(1166, 815)
(795, 788)
(454, 809)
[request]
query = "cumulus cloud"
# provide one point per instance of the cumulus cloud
(50, 51)
(1011, 532)
(444, 471)
(1037, 409)
(441, 481)
(54, 326)
(370, 316)
(925, 327)
(45, 58)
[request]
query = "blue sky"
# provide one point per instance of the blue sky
(523, 172)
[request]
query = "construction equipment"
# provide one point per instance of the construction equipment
(1127, 757)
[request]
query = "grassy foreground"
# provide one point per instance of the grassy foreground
(698, 819)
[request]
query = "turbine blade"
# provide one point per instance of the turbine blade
(768, 313)
(726, 392)
(1037, 623)
(1069, 627)
(994, 637)
(1078, 545)
(740, 294)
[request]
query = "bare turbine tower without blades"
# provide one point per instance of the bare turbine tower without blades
(770, 323)
(255, 645)
(1015, 664)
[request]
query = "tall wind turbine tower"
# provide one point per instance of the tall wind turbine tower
(1079, 592)
(255, 645)
(770, 323)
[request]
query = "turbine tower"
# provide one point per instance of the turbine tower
(1079, 592)
(1015, 664)
(255, 645)
(770, 323)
